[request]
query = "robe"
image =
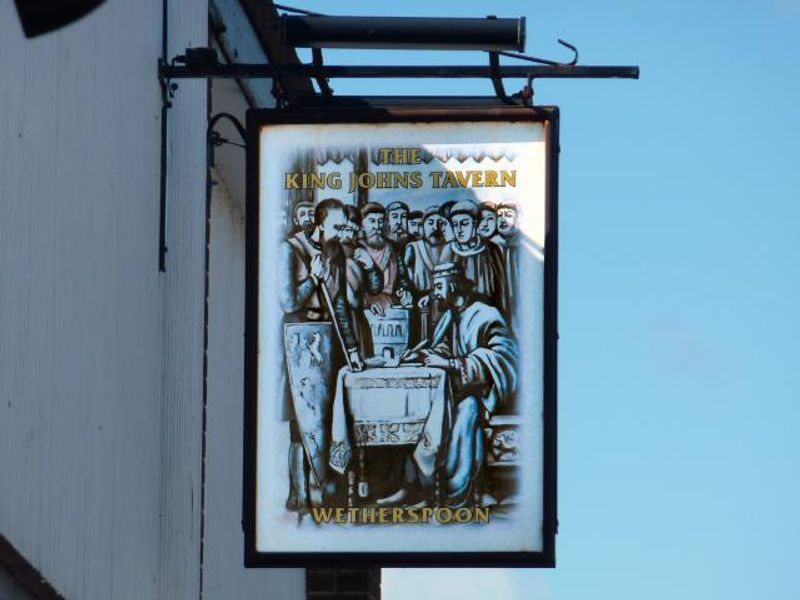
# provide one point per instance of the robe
(478, 338)
(510, 247)
(393, 268)
(420, 258)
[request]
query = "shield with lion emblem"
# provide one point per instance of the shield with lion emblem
(308, 348)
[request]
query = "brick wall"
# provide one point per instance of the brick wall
(343, 584)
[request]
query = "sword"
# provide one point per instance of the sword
(327, 296)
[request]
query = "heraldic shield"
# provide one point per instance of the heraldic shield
(309, 363)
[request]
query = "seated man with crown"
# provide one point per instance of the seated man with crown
(473, 343)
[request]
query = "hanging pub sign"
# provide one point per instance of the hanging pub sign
(401, 337)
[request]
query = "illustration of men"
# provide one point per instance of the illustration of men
(312, 288)
(397, 214)
(487, 228)
(415, 225)
(316, 260)
(363, 277)
(481, 261)
(384, 253)
(473, 343)
(303, 217)
(508, 238)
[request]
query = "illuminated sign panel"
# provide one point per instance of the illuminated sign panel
(401, 337)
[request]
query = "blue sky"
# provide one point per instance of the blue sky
(679, 472)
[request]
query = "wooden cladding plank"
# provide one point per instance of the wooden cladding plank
(80, 301)
(183, 321)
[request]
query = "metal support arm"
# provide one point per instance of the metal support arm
(265, 71)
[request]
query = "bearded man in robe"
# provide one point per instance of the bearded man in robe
(397, 221)
(481, 261)
(473, 343)
(386, 255)
(422, 255)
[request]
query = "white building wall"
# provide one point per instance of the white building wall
(101, 356)
(182, 323)
(224, 573)
(80, 300)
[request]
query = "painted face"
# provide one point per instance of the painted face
(415, 227)
(372, 226)
(304, 216)
(349, 232)
(506, 220)
(431, 228)
(334, 224)
(442, 288)
(447, 230)
(488, 225)
(463, 228)
(398, 220)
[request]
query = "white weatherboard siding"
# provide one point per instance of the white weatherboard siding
(182, 317)
(101, 356)
(224, 574)
(80, 301)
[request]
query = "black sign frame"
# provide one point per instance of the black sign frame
(366, 114)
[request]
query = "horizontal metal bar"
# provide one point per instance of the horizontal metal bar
(404, 32)
(403, 101)
(254, 71)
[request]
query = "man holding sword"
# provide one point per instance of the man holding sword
(313, 295)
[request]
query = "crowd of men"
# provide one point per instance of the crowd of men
(455, 259)
(388, 256)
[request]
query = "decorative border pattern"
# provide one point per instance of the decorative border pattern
(406, 383)
(387, 434)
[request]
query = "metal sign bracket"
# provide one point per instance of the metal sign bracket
(203, 63)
